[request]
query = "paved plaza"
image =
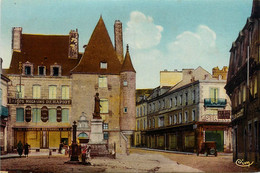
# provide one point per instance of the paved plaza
(138, 161)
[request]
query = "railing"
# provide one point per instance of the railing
(212, 102)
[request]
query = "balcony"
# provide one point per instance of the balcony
(211, 102)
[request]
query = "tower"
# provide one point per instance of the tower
(128, 87)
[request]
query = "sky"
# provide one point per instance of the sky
(162, 34)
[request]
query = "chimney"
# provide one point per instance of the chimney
(17, 38)
(73, 44)
(119, 40)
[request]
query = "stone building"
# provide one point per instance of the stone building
(244, 90)
(193, 111)
(4, 113)
(53, 84)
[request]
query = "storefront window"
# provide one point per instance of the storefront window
(19, 115)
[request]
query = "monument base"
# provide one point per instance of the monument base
(100, 150)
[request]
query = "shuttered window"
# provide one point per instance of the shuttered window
(36, 115)
(36, 91)
(104, 104)
(52, 115)
(52, 92)
(65, 92)
(65, 115)
(213, 94)
(19, 115)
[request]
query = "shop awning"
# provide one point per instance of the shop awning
(4, 111)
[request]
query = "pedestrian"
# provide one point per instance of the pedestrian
(60, 147)
(88, 151)
(84, 151)
(26, 149)
(20, 148)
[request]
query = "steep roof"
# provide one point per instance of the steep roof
(99, 49)
(127, 64)
(256, 9)
(43, 50)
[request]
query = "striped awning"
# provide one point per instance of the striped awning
(4, 111)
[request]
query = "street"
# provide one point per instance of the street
(138, 161)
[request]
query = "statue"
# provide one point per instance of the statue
(96, 114)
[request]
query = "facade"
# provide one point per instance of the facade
(4, 113)
(244, 90)
(193, 111)
(53, 85)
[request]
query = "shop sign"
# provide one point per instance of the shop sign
(223, 114)
(44, 114)
(39, 101)
(59, 114)
(28, 113)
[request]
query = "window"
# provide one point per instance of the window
(239, 96)
(161, 121)
(55, 71)
(141, 124)
(36, 91)
(159, 105)
(213, 94)
(65, 115)
(170, 102)
(36, 115)
(125, 109)
(170, 120)
(175, 101)
(19, 115)
(52, 92)
(144, 124)
(105, 126)
(149, 123)
(186, 117)
(41, 70)
(137, 112)
(106, 135)
(141, 111)
(180, 117)
(163, 104)
(180, 99)
(175, 119)
(65, 92)
(138, 126)
(19, 91)
(103, 65)
(27, 70)
(153, 122)
(244, 93)
(104, 106)
(102, 81)
(186, 98)
(255, 87)
(193, 115)
(52, 115)
(154, 107)
(144, 110)
(193, 96)
(125, 83)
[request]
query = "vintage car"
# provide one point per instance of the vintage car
(207, 148)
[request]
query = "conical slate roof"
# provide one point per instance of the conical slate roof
(99, 49)
(127, 64)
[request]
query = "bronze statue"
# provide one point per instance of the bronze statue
(96, 114)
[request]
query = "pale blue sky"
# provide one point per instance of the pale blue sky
(169, 34)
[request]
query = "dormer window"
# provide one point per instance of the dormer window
(103, 65)
(55, 70)
(41, 71)
(27, 68)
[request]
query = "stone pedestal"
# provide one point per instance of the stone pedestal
(96, 135)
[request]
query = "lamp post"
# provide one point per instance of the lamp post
(74, 146)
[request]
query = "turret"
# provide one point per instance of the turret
(73, 44)
(17, 38)
(128, 87)
(118, 40)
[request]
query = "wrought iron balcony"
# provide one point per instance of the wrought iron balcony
(212, 102)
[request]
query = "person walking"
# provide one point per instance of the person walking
(20, 148)
(26, 149)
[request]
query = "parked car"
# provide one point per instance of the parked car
(207, 148)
